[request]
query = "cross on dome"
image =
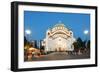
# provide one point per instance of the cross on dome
(59, 24)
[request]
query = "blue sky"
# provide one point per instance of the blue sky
(39, 22)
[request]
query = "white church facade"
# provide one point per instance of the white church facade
(58, 38)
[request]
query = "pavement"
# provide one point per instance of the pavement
(60, 56)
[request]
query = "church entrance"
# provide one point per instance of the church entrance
(60, 44)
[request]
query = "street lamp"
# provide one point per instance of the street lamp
(28, 33)
(86, 32)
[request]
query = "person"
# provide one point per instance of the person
(29, 53)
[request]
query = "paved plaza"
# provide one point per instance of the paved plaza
(60, 56)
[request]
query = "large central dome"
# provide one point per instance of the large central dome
(59, 37)
(59, 25)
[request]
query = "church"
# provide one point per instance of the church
(58, 38)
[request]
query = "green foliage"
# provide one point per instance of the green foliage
(35, 44)
(88, 44)
(79, 44)
(25, 40)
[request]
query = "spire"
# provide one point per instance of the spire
(60, 22)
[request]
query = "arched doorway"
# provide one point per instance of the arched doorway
(61, 44)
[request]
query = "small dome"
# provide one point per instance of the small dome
(59, 25)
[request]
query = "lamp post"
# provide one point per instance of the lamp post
(28, 33)
(86, 32)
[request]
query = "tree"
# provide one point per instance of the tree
(88, 44)
(80, 42)
(35, 44)
(84, 44)
(25, 40)
(76, 46)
